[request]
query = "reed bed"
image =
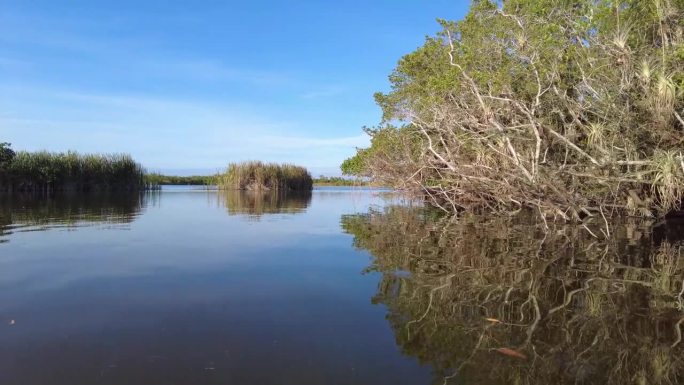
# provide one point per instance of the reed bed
(46, 172)
(262, 176)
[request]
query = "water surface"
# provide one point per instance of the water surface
(188, 286)
(337, 286)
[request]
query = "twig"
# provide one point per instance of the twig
(678, 333)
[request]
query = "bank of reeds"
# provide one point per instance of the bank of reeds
(262, 176)
(46, 172)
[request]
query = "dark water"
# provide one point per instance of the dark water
(335, 287)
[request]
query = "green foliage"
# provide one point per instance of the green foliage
(354, 166)
(46, 172)
(568, 106)
(257, 175)
(156, 179)
(6, 154)
(337, 181)
(398, 146)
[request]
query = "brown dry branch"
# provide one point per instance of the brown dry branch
(582, 309)
(560, 117)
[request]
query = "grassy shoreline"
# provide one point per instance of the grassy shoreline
(47, 172)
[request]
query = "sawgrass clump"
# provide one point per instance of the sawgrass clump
(255, 175)
(70, 171)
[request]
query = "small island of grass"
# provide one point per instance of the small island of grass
(261, 176)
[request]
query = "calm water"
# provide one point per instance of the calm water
(339, 286)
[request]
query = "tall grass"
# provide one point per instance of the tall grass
(48, 172)
(257, 175)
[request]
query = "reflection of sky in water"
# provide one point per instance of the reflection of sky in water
(183, 230)
(185, 288)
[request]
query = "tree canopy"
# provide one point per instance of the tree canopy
(6, 153)
(571, 107)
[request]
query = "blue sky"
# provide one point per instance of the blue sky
(186, 87)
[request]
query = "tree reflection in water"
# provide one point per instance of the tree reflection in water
(500, 300)
(31, 212)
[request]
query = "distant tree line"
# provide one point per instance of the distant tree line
(160, 179)
(338, 181)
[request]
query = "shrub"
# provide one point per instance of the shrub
(571, 108)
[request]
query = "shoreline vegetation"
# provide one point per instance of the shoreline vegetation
(157, 179)
(570, 109)
(50, 172)
(332, 181)
(46, 172)
(261, 176)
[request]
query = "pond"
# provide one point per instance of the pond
(337, 286)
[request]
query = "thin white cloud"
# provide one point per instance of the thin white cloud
(141, 54)
(161, 132)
